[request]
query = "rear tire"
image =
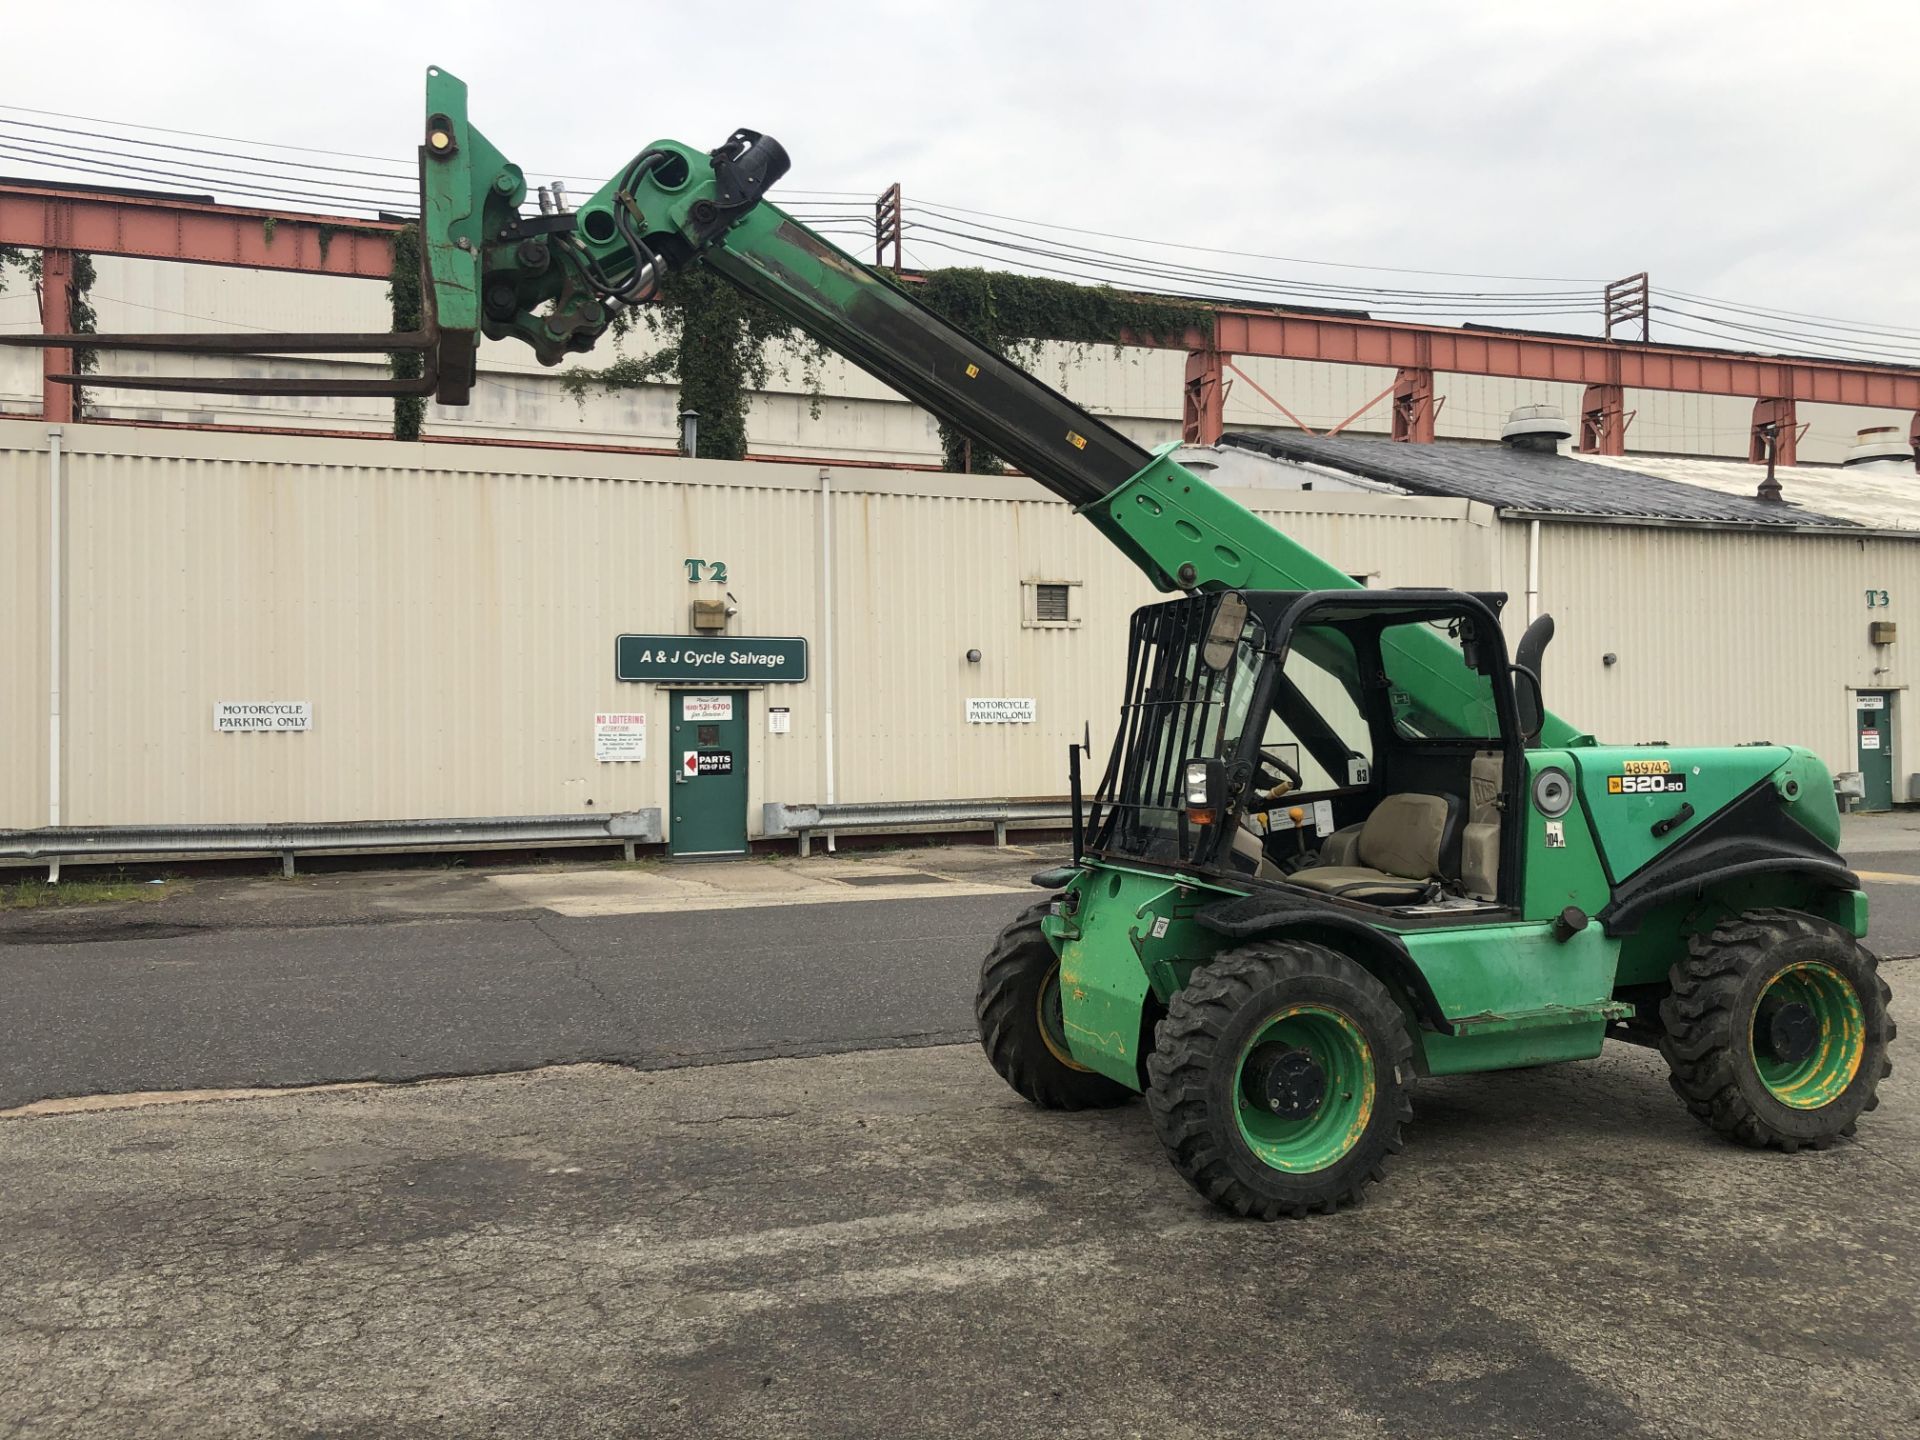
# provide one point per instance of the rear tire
(1279, 1084)
(1018, 1008)
(1777, 1030)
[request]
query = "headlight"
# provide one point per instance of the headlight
(1199, 795)
(1552, 793)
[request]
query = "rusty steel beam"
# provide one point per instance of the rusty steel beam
(1203, 398)
(1413, 407)
(1603, 421)
(196, 232)
(59, 396)
(1778, 422)
(1568, 359)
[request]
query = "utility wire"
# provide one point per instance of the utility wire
(1083, 273)
(1872, 351)
(174, 179)
(279, 177)
(1812, 322)
(1130, 275)
(72, 149)
(1258, 255)
(1196, 275)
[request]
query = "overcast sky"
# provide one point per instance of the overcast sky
(1752, 151)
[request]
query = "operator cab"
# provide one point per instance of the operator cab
(1356, 747)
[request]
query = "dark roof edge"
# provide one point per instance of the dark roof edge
(1836, 528)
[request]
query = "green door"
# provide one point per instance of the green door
(708, 748)
(1873, 737)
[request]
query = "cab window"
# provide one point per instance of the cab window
(1322, 672)
(1430, 660)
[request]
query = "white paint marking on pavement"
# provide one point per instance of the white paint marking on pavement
(138, 1099)
(581, 894)
(645, 1252)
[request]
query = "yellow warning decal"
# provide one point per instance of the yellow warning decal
(1079, 442)
(973, 372)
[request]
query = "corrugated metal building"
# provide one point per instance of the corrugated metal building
(449, 615)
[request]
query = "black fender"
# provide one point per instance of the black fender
(1699, 872)
(1752, 835)
(1271, 914)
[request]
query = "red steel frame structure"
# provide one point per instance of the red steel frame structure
(1607, 368)
(58, 222)
(61, 221)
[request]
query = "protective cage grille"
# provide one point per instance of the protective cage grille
(1173, 709)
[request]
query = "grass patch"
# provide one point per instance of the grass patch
(39, 895)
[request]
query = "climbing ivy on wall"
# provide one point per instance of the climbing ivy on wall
(715, 341)
(1012, 315)
(403, 292)
(85, 320)
(715, 347)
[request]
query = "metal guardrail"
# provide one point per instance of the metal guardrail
(806, 821)
(91, 844)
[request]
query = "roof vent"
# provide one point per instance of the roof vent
(1538, 428)
(1880, 443)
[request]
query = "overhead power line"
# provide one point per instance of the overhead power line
(1258, 255)
(273, 173)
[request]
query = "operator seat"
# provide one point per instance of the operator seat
(1403, 847)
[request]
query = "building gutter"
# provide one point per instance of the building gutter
(826, 638)
(56, 639)
(1533, 571)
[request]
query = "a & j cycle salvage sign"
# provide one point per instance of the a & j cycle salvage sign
(739, 659)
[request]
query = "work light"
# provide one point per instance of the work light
(1198, 786)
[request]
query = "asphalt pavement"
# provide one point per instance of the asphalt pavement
(892, 1244)
(868, 1235)
(410, 975)
(469, 996)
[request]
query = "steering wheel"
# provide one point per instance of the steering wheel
(1281, 767)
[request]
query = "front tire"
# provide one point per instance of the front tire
(1018, 1009)
(1777, 1030)
(1279, 1083)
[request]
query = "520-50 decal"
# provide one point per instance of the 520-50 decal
(1646, 784)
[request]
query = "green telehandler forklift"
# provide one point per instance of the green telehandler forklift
(1339, 842)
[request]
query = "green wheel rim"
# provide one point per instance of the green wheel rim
(1840, 1043)
(1316, 1141)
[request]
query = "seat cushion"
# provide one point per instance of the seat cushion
(1357, 882)
(1405, 835)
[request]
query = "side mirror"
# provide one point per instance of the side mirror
(1528, 659)
(1223, 632)
(1531, 702)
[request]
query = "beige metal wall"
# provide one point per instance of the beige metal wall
(1722, 637)
(450, 615)
(23, 639)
